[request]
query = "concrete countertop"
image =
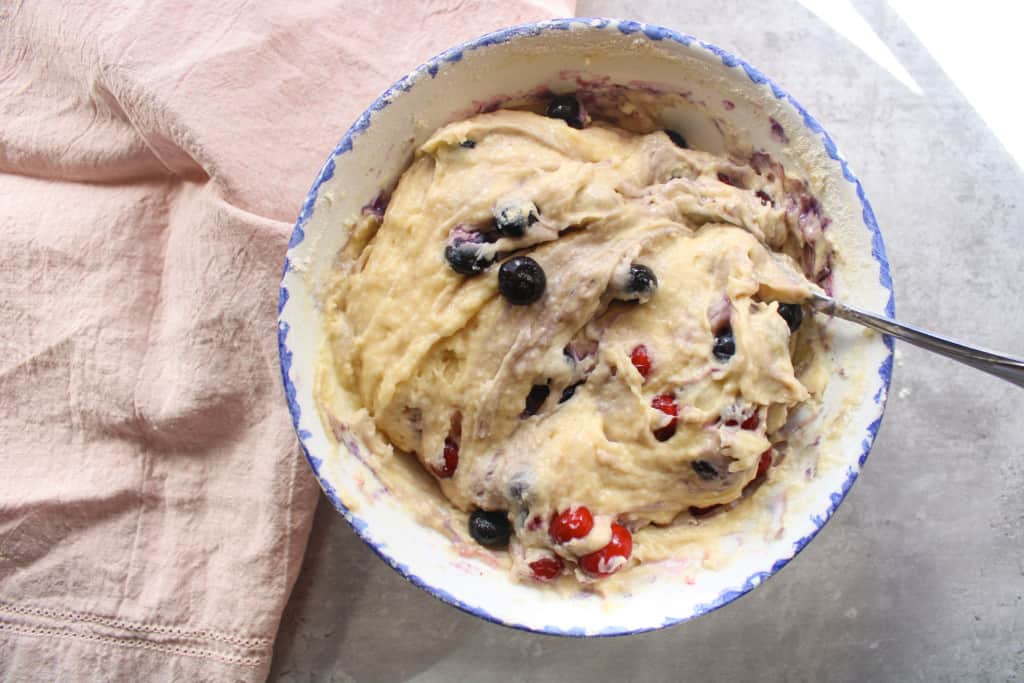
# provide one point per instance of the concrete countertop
(920, 574)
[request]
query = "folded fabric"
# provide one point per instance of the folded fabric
(154, 507)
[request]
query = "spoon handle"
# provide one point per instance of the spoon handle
(1009, 368)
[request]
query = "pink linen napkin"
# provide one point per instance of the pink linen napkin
(153, 504)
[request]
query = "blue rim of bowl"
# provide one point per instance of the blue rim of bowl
(430, 69)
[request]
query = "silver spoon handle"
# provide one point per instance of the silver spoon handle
(1009, 368)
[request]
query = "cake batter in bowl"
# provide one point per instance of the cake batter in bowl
(643, 366)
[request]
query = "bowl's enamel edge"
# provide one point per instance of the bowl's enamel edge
(431, 69)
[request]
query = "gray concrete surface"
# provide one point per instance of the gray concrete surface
(920, 575)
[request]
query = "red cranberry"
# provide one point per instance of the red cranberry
(451, 460)
(641, 360)
(751, 422)
(576, 522)
(605, 561)
(547, 568)
(666, 403)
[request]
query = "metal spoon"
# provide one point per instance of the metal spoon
(1009, 368)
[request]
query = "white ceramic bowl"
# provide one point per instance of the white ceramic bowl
(554, 54)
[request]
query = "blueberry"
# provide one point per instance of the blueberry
(704, 469)
(490, 528)
(677, 138)
(570, 390)
(792, 314)
(468, 144)
(378, 205)
(464, 258)
(521, 281)
(511, 219)
(642, 281)
(725, 345)
(567, 108)
(535, 399)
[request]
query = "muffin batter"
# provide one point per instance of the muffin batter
(579, 331)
